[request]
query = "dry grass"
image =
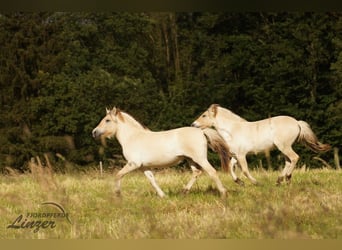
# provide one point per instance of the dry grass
(310, 207)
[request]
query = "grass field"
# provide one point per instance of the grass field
(309, 207)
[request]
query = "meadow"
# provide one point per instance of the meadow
(307, 208)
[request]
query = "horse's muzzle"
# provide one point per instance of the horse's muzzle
(96, 133)
(194, 124)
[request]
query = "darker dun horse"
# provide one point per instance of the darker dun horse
(245, 137)
(145, 148)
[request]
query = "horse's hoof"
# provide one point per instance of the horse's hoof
(288, 178)
(161, 195)
(257, 184)
(185, 191)
(224, 194)
(118, 193)
(288, 182)
(239, 182)
(280, 180)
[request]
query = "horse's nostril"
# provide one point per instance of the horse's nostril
(94, 133)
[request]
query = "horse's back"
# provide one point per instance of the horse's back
(279, 119)
(257, 136)
(283, 121)
(188, 135)
(183, 132)
(285, 129)
(183, 137)
(189, 139)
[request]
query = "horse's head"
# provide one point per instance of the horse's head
(108, 125)
(207, 119)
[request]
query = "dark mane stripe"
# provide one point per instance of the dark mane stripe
(119, 114)
(121, 117)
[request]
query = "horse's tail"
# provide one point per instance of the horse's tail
(218, 145)
(309, 139)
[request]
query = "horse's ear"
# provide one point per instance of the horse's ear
(213, 109)
(119, 115)
(107, 111)
(116, 112)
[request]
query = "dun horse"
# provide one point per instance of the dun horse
(148, 149)
(245, 137)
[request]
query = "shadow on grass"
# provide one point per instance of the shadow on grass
(209, 191)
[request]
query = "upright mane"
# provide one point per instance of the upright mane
(230, 115)
(132, 120)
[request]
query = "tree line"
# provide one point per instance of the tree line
(60, 70)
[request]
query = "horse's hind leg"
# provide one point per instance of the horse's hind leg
(213, 175)
(152, 180)
(294, 159)
(291, 159)
(281, 177)
(195, 173)
(244, 167)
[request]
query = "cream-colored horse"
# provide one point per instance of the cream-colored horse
(245, 137)
(144, 148)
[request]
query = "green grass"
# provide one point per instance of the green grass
(309, 207)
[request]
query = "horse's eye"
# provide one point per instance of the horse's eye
(204, 116)
(107, 120)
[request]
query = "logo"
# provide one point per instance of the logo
(36, 221)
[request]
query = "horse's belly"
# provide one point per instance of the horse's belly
(261, 147)
(153, 158)
(247, 145)
(161, 162)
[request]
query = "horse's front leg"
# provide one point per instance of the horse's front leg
(130, 166)
(236, 179)
(244, 167)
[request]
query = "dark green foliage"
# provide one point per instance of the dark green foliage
(60, 70)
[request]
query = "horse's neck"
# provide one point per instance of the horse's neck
(131, 122)
(229, 115)
(227, 119)
(128, 127)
